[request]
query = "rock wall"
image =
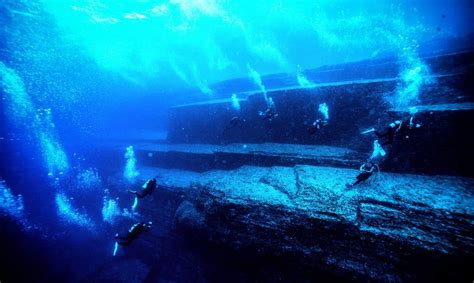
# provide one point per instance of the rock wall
(394, 228)
(353, 107)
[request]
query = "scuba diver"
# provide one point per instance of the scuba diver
(149, 187)
(403, 127)
(136, 230)
(320, 122)
(407, 126)
(317, 125)
(270, 113)
(366, 170)
(233, 123)
(390, 132)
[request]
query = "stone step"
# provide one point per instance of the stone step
(444, 88)
(203, 157)
(440, 146)
(351, 106)
(372, 69)
(378, 230)
(418, 154)
(436, 108)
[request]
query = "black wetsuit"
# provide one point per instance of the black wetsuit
(390, 133)
(150, 187)
(406, 128)
(233, 123)
(132, 234)
(367, 171)
(317, 125)
(270, 113)
(403, 128)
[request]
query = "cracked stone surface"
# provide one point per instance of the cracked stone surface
(372, 230)
(204, 157)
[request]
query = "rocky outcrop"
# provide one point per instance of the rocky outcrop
(358, 99)
(136, 271)
(392, 228)
(204, 157)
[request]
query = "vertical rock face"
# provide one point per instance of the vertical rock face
(204, 157)
(289, 221)
(380, 230)
(354, 106)
(126, 271)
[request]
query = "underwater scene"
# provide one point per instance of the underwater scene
(236, 141)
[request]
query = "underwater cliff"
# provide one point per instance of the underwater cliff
(273, 197)
(236, 141)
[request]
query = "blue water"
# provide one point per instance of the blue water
(78, 74)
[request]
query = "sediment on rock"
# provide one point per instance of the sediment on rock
(380, 227)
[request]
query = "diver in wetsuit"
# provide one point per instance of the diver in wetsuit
(150, 186)
(317, 125)
(136, 230)
(233, 123)
(270, 113)
(407, 126)
(366, 170)
(390, 132)
(401, 127)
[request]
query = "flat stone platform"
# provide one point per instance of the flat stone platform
(394, 227)
(203, 157)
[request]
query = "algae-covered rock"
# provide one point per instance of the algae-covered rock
(377, 229)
